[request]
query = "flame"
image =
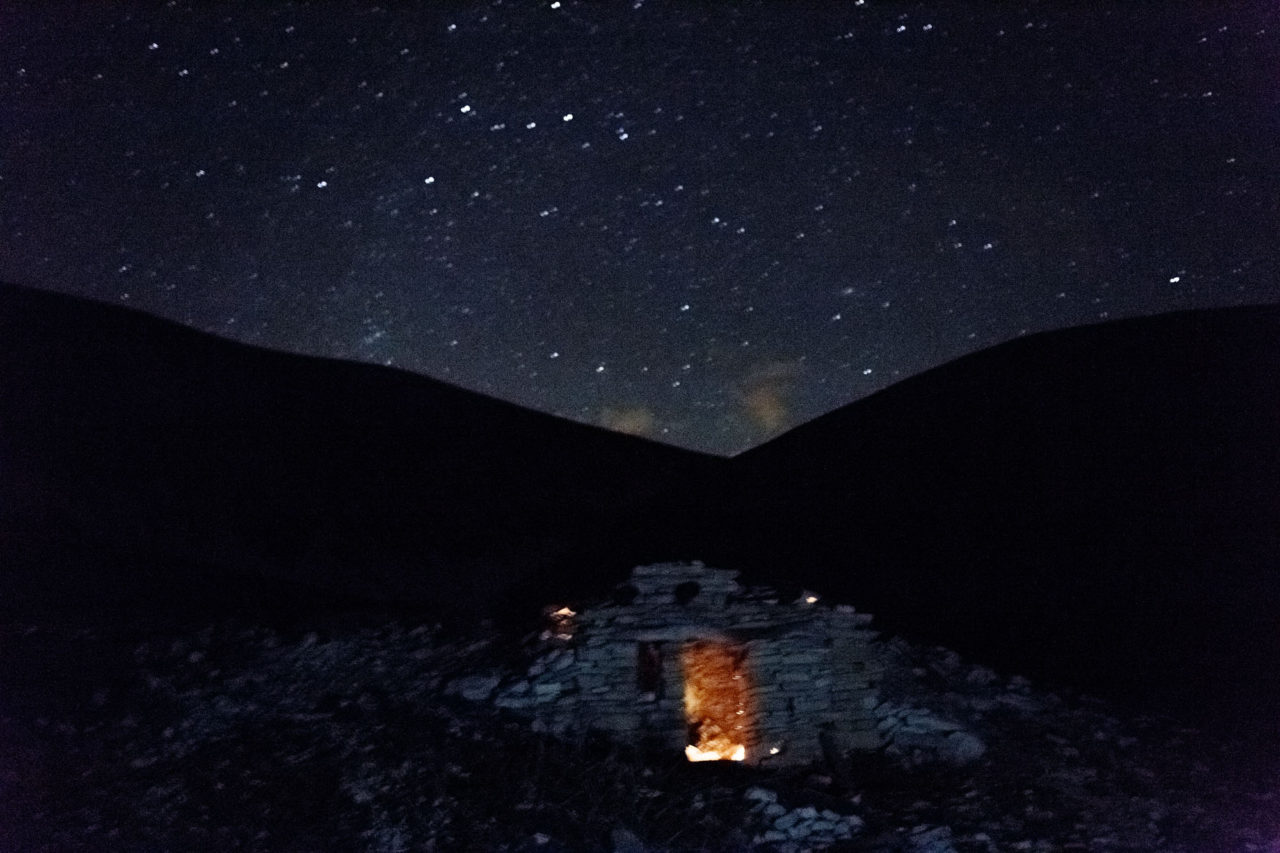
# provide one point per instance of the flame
(714, 702)
(559, 622)
(694, 754)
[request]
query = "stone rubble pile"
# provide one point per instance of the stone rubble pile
(802, 828)
(811, 673)
(807, 671)
(922, 736)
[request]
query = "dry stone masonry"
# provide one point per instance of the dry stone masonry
(686, 659)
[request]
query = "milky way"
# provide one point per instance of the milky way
(705, 223)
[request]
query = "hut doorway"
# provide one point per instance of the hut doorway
(715, 701)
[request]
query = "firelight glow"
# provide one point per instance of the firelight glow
(694, 754)
(714, 701)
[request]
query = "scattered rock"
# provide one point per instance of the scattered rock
(961, 748)
(931, 839)
(625, 841)
(353, 737)
(474, 688)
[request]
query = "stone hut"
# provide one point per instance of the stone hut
(686, 659)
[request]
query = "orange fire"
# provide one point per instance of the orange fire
(715, 701)
(560, 624)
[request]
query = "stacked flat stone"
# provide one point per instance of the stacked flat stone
(809, 670)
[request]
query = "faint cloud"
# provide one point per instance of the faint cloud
(767, 407)
(632, 420)
(766, 393)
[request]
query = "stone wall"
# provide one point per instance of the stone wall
(807, 672)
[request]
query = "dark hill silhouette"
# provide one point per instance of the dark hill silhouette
(148, 464)
(1101, 503)
(1097, 505)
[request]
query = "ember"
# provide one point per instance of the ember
(559, 622)
(715, 701)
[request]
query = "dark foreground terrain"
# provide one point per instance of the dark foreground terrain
(1097, 507)
(342, 734)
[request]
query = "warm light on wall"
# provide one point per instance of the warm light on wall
(715, 700)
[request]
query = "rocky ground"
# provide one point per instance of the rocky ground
(231, 735)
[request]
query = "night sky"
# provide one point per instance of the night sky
(701, 222)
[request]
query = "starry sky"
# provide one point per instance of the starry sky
(701, 222)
